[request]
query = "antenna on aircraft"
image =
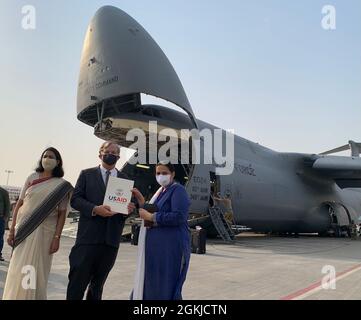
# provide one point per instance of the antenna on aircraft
(355, 148)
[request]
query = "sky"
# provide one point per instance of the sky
(265, 68)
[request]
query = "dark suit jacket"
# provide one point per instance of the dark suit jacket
(4, 204)
(88, 193)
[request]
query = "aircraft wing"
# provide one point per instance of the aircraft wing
(346, 171)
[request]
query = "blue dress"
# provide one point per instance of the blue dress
(167, 246)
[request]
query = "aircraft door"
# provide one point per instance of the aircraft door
(198, 188)
(340, 215)
(215, 186)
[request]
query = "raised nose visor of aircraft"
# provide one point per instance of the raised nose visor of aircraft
(119, 61)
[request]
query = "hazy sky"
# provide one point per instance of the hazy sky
(265, 68)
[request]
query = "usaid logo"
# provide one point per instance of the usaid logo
(119, 192)
(118, 196)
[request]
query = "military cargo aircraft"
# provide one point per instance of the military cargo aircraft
(271, 191)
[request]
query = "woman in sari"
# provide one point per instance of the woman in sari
(164, 247)
(38, 221)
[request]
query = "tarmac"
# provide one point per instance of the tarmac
(254, 267)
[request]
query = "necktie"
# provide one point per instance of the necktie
(107, 174)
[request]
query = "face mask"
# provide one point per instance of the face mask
(110, 159)
(163, 180)
(49, 164)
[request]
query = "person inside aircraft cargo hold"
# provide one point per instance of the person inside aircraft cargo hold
(38, 221)
(163, 246)
(99, 230)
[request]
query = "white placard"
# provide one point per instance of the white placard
(118, 194)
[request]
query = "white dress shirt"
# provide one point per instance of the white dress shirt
(113, 172)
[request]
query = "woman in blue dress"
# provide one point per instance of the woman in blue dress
(164, 248)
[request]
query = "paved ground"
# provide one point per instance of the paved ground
(255, 267)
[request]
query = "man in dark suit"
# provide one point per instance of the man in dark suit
(99, 230)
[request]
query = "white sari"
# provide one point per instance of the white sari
(30, 264)
(139, 272)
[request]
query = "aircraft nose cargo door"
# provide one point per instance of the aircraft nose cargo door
(119, 61)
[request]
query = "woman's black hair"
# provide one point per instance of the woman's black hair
(58, 171)
(166, 164)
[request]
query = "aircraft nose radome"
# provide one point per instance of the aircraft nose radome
(120, 58)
